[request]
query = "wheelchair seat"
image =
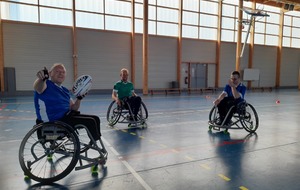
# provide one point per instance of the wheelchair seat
(244, 117)
(123, 114)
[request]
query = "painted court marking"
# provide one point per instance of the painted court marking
(132, 171)
(189, 158)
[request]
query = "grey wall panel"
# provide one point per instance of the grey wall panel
(29, 47)
(264, 59)
(198, 51)
(227, 62)
(211, 75)
(244, 59)
(102, 55)
(162, 61)
(138, 62)
(290, 64)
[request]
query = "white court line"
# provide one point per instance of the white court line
(134, 173)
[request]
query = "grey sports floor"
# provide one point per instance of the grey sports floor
(176, 150)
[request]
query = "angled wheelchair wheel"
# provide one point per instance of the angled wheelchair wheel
(49, 152)
(143, 113)
(248, 117)
(113, 113)
(214, 116)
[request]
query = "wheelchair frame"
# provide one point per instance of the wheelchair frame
(51, 150)
(119, 114)
(245, 117)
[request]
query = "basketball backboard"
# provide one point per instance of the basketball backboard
(255, 12)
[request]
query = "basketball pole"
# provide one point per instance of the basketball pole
(250, 24)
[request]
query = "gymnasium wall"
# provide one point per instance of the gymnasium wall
(102, 55)
(290, 64)
(30, 47)
(264, 59)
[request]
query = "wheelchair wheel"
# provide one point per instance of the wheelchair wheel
(214, 116)
(113, 113)
(248, 118)
(49, 152)
(143, 113)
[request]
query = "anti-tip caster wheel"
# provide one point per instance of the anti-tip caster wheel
(94, 170)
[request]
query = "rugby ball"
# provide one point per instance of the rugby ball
(82, 85)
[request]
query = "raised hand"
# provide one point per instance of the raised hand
(43, 74)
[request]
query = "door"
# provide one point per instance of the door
(198, 75)
(184, 82)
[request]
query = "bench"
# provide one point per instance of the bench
(262, 89)
(165, 91)
(201, 90)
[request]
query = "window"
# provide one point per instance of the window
(286, 42)
(272, 40)
(89, 20)
(56, 15)
(291, 29)
(57, 3)
(208, 7)
(168, 3)
(25, 1)
(259, 39)
(139, 26)
(119, 8)
(139, 11)
(19, 12)
(191, 5)
(168, 15)
(89, 5)
(228, 23)
(152, 13)
(208, 33)
(167, 29)
(118, 23)
(295, 43)
(190, 18)
(208, 20)
(190, 31)
(228, 10)
(272, 29)
(227, 35)
(151, 27)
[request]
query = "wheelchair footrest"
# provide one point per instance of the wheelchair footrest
(213, 126)
(216, 128)
(86, 166)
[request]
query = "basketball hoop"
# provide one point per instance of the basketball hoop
(253, 14)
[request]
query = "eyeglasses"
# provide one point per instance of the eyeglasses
(234, 79)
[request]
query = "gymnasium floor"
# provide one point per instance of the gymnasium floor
(176, 150)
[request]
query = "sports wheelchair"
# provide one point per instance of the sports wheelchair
(51, 150)
(122, 114)
(244, 117)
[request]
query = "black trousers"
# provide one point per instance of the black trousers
(134, 103)
(92, 122)
(225, 105)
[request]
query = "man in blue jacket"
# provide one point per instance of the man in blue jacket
(232, 94)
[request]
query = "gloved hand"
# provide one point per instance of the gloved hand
(43, 74)
(80, 97)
